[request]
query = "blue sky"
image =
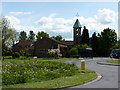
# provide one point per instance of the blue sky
(58, 17)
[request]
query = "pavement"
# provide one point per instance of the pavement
(109, 73)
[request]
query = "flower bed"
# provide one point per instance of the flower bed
(16, 72)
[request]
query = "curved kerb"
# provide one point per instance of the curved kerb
(80, 84)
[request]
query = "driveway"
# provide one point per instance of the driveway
(109, 73)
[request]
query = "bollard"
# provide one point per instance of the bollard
(82, 65)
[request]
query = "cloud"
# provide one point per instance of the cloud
(106, 16)
(20, 28)
(13, 20)
(20, 13)
(97, 23)
(54, 25)
(16, 24)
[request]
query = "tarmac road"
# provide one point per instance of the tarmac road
(109, 73)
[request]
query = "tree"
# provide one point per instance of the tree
(41, 34)
(8, 35)
(107, 40)
(58, 38)
(85, 36)
(23, 35)
(94, 43)
(117, 45)
(31, 36)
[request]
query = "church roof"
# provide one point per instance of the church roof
(77, 24)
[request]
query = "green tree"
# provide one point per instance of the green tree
(58, 38)
(23, 35)
(8, 36)
(94, 44)
(117, 45)
(107, 40)
(31, 36)
(85, 36)
(41, 34)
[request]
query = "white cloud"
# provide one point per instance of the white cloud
(97, 23)
(106, 16)
(69, 39)
(13, 20)
(20, 28)
(55, 24)
(20, 13)
(15, 23)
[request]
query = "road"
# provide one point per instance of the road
(109, 73)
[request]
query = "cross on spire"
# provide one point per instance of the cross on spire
(77, 15)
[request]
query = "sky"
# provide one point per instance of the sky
(58, 18)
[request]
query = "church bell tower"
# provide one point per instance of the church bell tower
(77, 32)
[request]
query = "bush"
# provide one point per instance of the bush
(77, 51)
(16, 55)
(54, 53)
(25, 52)
(73, 51)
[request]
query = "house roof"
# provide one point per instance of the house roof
(77, 24)
(68, 42)
(59, 42)
(24, 43)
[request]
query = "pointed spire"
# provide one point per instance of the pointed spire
(77, 24)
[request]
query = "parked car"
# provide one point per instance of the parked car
(115, 53)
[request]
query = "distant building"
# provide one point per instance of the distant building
(40, 48)
(23, 44)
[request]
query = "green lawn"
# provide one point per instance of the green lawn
(9, 58)
(114, 61)
(59, 82)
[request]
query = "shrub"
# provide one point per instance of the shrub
(73, 51)
(77, 50)
(54, 53)
(25, 52)
(16, 55)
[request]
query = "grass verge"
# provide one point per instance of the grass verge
(9, 58)
(114, 61)
(59, 82)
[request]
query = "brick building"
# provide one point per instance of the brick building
(23, 44)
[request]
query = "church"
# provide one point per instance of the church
(40, 48)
